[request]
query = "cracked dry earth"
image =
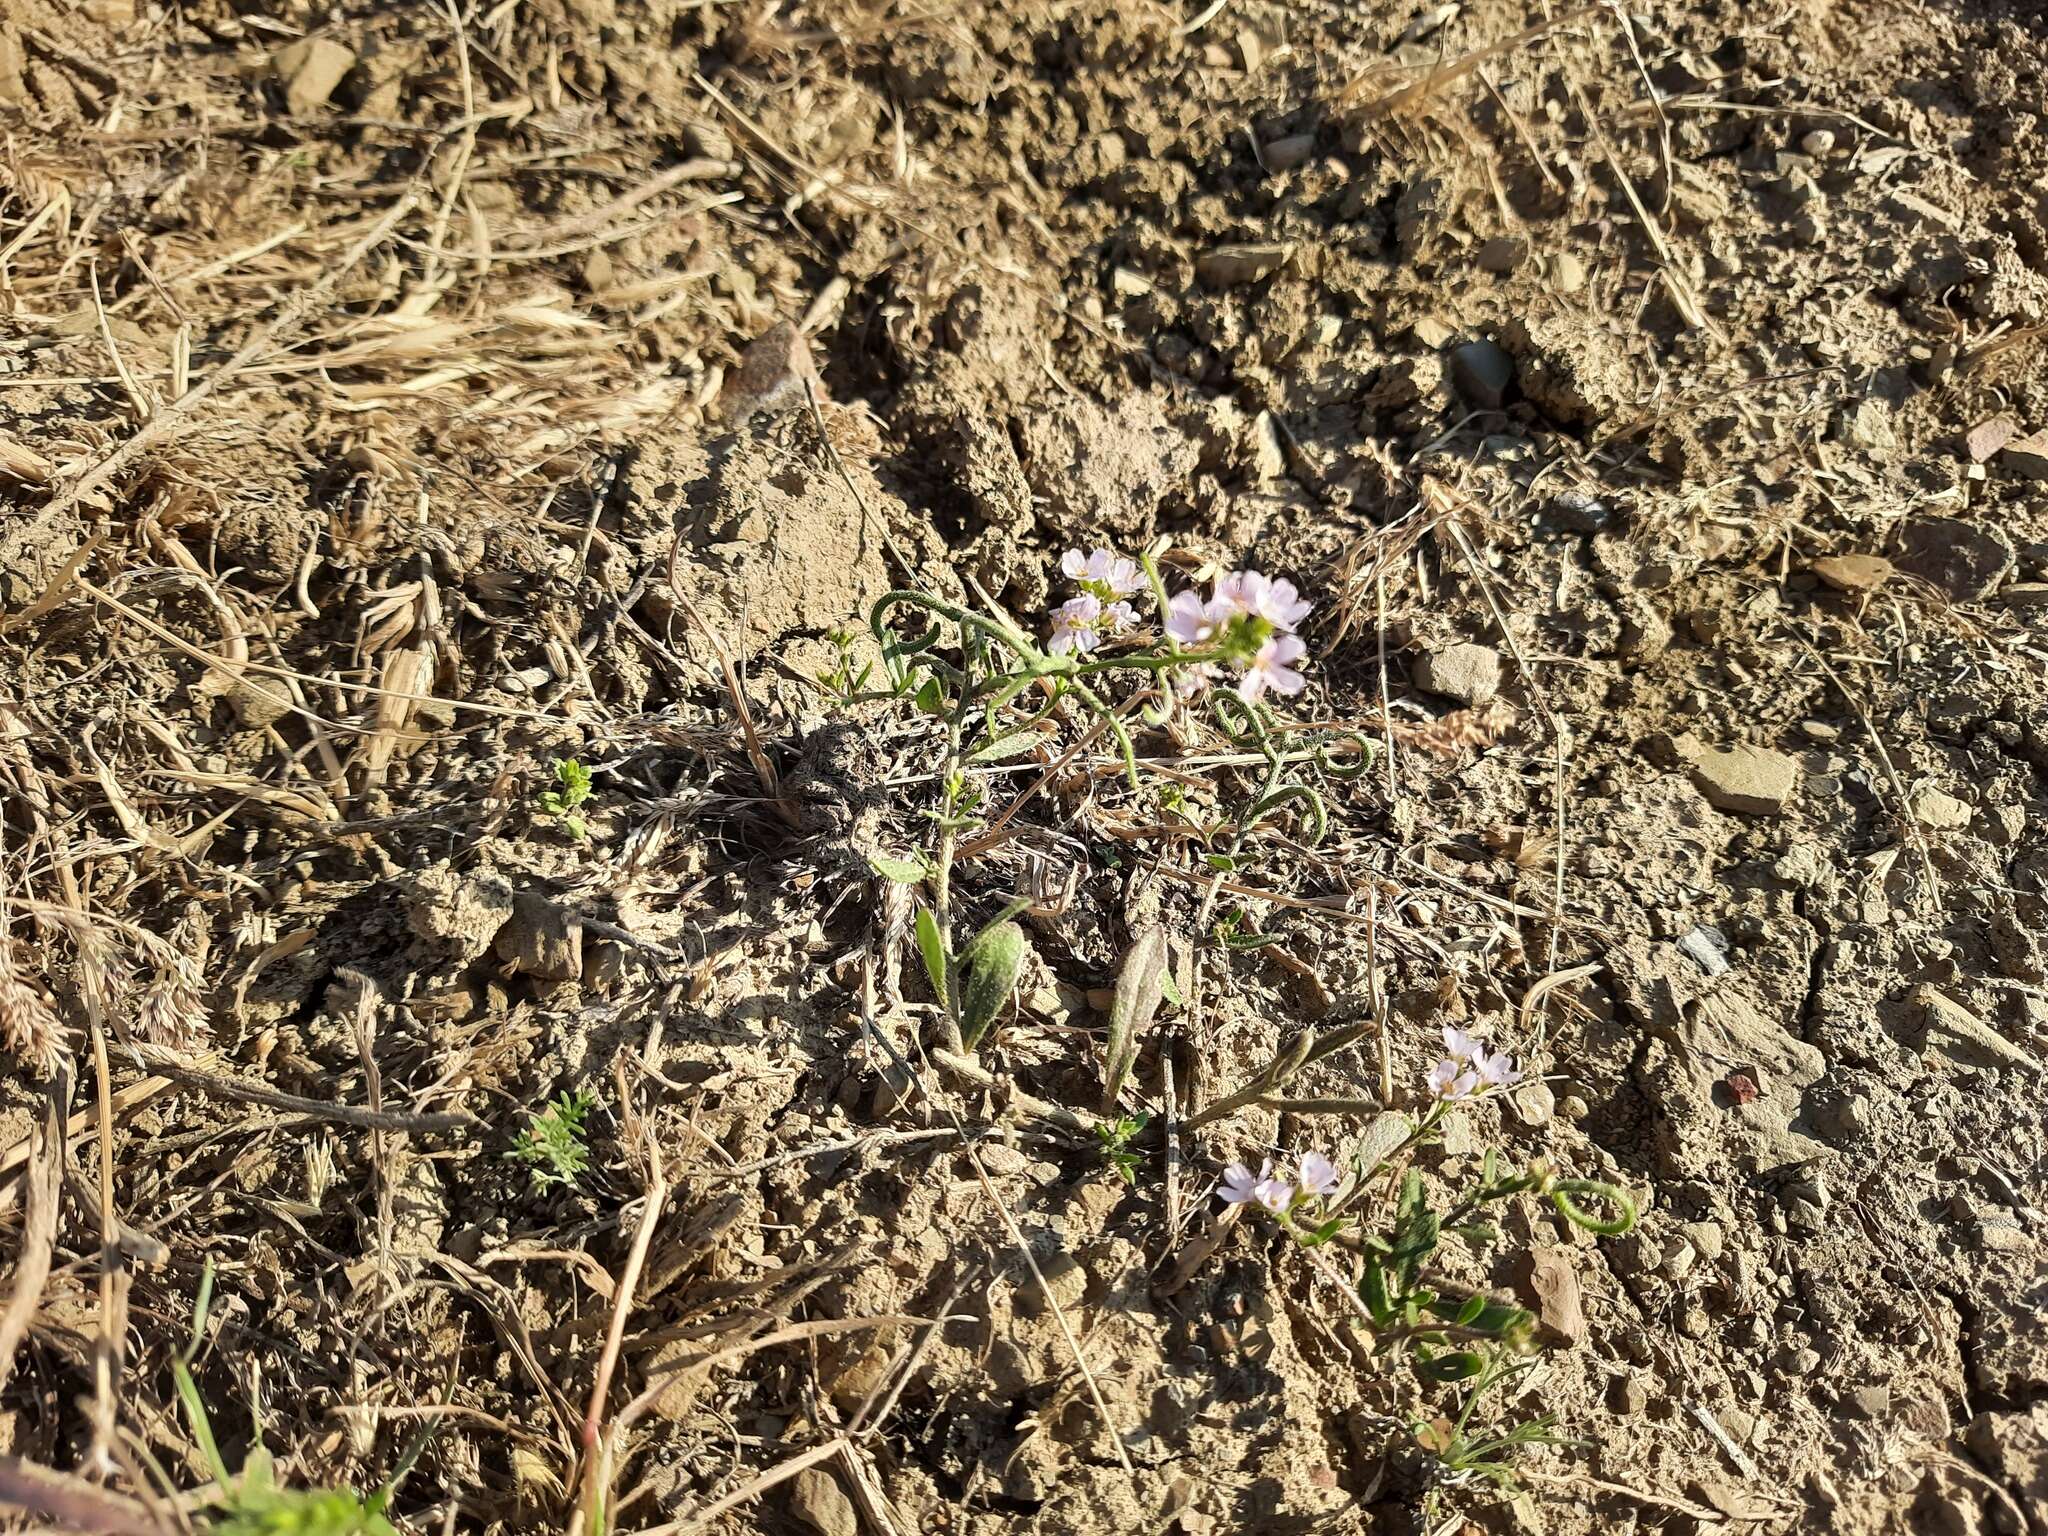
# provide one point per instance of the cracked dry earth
(1652, 402)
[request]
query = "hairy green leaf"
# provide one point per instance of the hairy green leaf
(901, 871)
(990, 963)
(933, 948)
(1139, 988)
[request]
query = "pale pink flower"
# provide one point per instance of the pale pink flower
(1460, 1046)
(1319, 1176)
(1496, 1070)
(1271, 669)
(1240, 1186)
(1249, 594)
(1236, 595)
(1274, 1194)
(1280, 605)
(1103, 569)
(1452, 1080)
(1118, 617)
(1189, 620)
(1074, 624)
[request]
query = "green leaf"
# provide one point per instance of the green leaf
(1500, 1318)
(1139, 988)
(1222, 861)
(1373, 1291)
(574, 779)
(901, 871)
(991, 963)
(1003, 748)
(1459, 1365)
(931, 697)
(933, 948)
(1171, 988)
(1323, 1233)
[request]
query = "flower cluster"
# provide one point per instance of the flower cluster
(1315, 1177)
(1100, 612)
(1469, 1070)
(1247, 622)
(1250, 619)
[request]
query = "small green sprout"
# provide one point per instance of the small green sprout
(552, 1145)
(1116, 1137)
(562, 803)
(849, 675)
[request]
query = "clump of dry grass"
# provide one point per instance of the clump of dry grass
(28, 1025)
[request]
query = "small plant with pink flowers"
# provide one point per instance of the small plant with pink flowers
(999, 690)
(1453, 1337)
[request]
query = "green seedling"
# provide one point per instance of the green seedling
(1464, 1455)
(848, 676)
(572, 790)
(1116, 1137)
(552, 1144)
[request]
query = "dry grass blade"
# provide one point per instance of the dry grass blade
(175, 1066)
(746, 1494)
(599, 1451)
(73, 1501)
(39, 1224)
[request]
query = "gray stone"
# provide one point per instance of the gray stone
(1468, 673)
(541, 940)
(1065, 1279)
(1709, 1238)
(1853, 573)
(1285, 154)
(1987, 437)
(771, 377)
(310, 69)
(1627, 1396)
(816, 1499)
(2026, 456)
(1871, 1402)
(1234, 266)
(2006, 823)
(1940, 812)
(1534, 1103)
(1965, 560)
(1483, 373)
(1755, 781)
(1706, 947)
